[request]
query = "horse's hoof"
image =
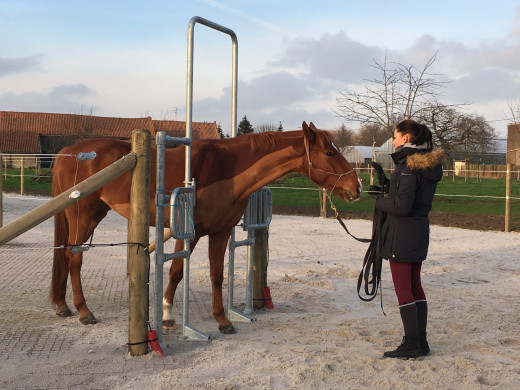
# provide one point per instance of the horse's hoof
(88, 320)
(168, 324)
(64, 312)
(227, 329)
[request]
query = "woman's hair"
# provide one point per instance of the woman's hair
(418, 133)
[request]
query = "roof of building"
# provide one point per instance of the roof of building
(71, 124)
(366, 151)
(20, 131)
(200, 130)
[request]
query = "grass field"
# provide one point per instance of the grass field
(459, 196)
(34, 181)
(469, 197)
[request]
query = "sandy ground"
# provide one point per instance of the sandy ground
(319, 336)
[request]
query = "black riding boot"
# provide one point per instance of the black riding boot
(422, 320)
(410, 347)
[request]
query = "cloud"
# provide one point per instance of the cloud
(19, 65)
(484, 85)
(62, 99)
(334, 57)
(244, 15)
(270, 99)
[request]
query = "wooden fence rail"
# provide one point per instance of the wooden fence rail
(138, 265)
(62, 201)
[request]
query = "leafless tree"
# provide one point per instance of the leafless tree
(370, 133)
(400, 92)
(344, 138)
(265, 127)
(475, 136)
(81, 126)
(457, 132)
(443, 122)
(514, 110)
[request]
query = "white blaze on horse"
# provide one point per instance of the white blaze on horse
(226, 173)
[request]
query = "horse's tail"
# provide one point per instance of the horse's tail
(61, 236)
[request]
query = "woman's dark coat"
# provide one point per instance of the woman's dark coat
(406, 230)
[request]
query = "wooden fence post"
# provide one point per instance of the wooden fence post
(259, 267)
(508, 197)
(323, 202)
(138, 263)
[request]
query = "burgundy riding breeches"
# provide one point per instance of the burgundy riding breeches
(407, 282)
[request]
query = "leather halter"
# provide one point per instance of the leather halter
(340, 175)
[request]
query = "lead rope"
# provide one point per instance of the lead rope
(342, 223)
(373, 262)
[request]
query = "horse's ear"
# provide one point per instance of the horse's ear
(309, 132)
(311, 125)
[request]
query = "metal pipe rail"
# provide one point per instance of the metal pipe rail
(188, 331)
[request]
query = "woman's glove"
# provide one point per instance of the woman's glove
(384, 182)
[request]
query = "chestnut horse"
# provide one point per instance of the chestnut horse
(226, 173)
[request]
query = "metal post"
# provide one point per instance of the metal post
(508, 198)
(249, 274)
(21, 175)
(159, 231)
(232, 313)
(189, 104)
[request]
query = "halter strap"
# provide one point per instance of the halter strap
(340, 175)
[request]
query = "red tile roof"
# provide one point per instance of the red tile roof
(20, 131)
(71, 124)
(178, 129)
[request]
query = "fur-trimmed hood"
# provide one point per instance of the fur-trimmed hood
(426, 160)
(428, 163)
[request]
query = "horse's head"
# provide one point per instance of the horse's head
(326, 166)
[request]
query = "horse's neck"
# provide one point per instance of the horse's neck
(267, 164)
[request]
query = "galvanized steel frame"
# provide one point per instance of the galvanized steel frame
(162, 140)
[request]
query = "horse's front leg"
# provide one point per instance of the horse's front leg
(217, 249)
(176, 274)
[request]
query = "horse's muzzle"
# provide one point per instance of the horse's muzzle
(357, 196)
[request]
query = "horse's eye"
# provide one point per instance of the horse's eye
(329, 153)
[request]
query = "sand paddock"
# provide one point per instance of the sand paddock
(319, 336)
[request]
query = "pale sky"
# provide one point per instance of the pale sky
(128, 58)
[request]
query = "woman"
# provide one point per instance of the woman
(406, 230)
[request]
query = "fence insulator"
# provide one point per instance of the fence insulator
(79, 248)
(75, 194)
(86, 156)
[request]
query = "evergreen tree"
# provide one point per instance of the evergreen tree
(244, 126)
(220, 132)
(280, 127)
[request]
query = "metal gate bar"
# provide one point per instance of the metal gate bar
(189, 182)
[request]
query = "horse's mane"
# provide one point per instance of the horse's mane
(263, 141)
